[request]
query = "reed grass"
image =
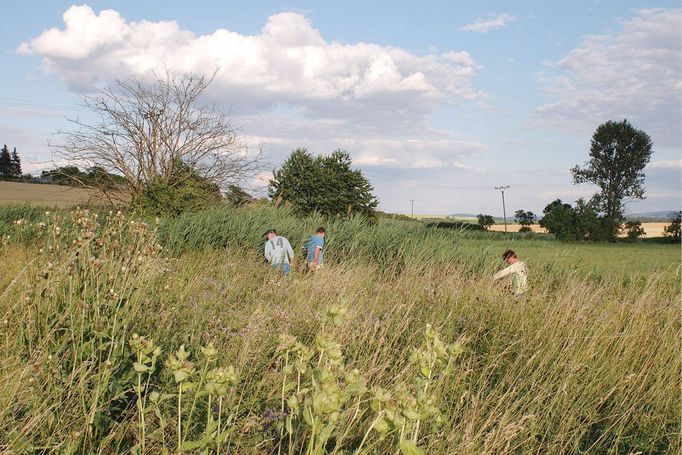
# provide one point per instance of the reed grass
(120, 335)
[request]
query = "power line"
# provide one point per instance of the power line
(504, 210)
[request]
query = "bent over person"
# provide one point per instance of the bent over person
(278, 251)
(518, 272)
(314, 246)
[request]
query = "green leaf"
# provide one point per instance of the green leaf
(192, 445)
(326, 433)
(381, 425)
(19, 443)
(180, 376)
(140, 368)
(308, 415)
(408, 447)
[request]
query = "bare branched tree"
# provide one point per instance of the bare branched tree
(144, 129)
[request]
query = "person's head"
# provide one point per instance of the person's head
(509, 257)
(320, 232)
(270, 233)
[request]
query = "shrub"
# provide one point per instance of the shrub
(672, 231)
(485, 221)
(633, 229)
(183, 191)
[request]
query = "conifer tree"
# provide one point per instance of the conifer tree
(16, 164)
(5, 162)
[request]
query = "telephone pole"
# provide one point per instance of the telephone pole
(504, 210)
(412, 211)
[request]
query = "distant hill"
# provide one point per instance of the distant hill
(662, 215)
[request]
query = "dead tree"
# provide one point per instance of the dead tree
(143, 129)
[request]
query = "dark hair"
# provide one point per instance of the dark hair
(320, 230)
(508, 254)
(270, 231)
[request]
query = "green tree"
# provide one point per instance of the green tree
(672, 231)
(581, 222)
(633, 229)
(325, 183)
(65, 175)
(185, 190)
(525, 219)
(5, 162)
(236, 196)
(16, 164)
(559, 219)
(485, 220)
(618, 154)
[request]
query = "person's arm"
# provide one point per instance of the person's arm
(290, 251)
(504, 272)
(268, 251)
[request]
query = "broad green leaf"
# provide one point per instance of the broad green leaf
(408, 447)
(140, 368)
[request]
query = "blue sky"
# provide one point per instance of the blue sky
(436, 101)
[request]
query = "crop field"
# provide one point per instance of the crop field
(122, 335)
(42, 195)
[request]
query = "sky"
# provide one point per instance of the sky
(437, 102)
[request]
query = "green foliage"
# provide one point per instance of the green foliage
(455, 225)
(72, 175)
(524, 218)
(324, 184)
(432, 361)
(6, 168)
(185, 190)
(618, 154)
(672, 231)
(16, 164)
(485, 221)
(633, 229)
(394, 216)
(236, 196)
(579, 223)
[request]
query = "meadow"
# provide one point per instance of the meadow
(172, 335)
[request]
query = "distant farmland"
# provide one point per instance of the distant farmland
(650, 229)
(54, 196)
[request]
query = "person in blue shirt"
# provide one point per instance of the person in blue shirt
(314, 245)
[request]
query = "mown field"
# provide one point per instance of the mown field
(52, 196)
(120, 335)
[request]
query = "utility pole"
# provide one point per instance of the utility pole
(412, 201)
(504, 210)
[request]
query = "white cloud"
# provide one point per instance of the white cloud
(665, 164)
(633, 74)
(485, 26)
(287, 62)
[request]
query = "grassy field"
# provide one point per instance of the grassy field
(120, 335)
(42, 195)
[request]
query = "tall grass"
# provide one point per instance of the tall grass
(112, 343)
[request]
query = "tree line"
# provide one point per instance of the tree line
(155, 146)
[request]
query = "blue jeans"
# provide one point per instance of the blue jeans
(284, 267)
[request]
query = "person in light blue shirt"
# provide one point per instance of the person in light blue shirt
(314, 245)
(278, 251)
